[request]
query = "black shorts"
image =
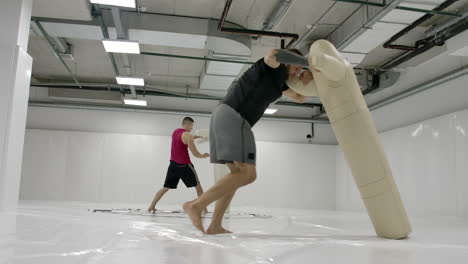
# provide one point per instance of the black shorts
(176, 171)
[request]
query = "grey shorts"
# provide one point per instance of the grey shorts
(231, 137)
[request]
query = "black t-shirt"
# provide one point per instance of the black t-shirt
(256, 89)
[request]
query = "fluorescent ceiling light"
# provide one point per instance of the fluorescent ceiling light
(270, 111)
(124, 3)
(120, 46)
(130, 81)
(135, 102)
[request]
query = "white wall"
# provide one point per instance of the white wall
(443, 99)
(429, 163)
(429, 167)
(162, 124)
(292, 176)
(129, 168)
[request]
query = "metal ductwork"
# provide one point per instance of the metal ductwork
(420, 88)
(363, 18)
(375, 80)
(75, 9)
(389, 44)
(163, 111)
(222, 28)
(278, 13)
(163, 30)
(151, 91)
(448, 33)
(54, 48)
(434, 30)
(155, 29)
(122, 33)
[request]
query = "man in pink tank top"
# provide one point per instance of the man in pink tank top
(181, 166)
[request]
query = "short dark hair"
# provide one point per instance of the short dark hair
(187, 119)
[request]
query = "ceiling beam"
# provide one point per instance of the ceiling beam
(155, 91)
(163, 111)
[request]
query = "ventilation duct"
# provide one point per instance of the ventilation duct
(62, 9)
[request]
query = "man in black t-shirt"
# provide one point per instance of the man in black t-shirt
(231, 139)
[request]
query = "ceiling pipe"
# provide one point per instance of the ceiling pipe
(122, 34)
(60, 44)
(292, 36)
(438, 41)
(114, 88)
(363, 18)
(439, 28)
(47, 37)
(193, 58)
(105, 34)
(416, 23)
(278, 13)
(412, 9)
(152, 91)
(163, 111)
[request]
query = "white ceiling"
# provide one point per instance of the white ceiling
(91, 63)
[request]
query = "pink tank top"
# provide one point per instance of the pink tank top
(179, 150)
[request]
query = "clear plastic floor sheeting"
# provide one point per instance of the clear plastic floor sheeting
(40, 232)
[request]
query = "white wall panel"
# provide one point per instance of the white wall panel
(128, 168)
(428, 162)
(461, 161)
(292, 176)
(162, 125)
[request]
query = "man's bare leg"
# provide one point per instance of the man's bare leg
(227, 185)
(200, 192)
(216, 226)
(157, 197)
(220, 209)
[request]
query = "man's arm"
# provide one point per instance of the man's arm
(191, 145)
(277, 56)
(294, 96)
(287, 57)
(270, 59)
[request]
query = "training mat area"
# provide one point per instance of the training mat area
(69, 233)
(234, 131)
(173, 213)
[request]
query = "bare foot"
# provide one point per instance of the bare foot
(217, 230)
(152, 210)
(195, 215)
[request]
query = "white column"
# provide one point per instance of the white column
(15, 75)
